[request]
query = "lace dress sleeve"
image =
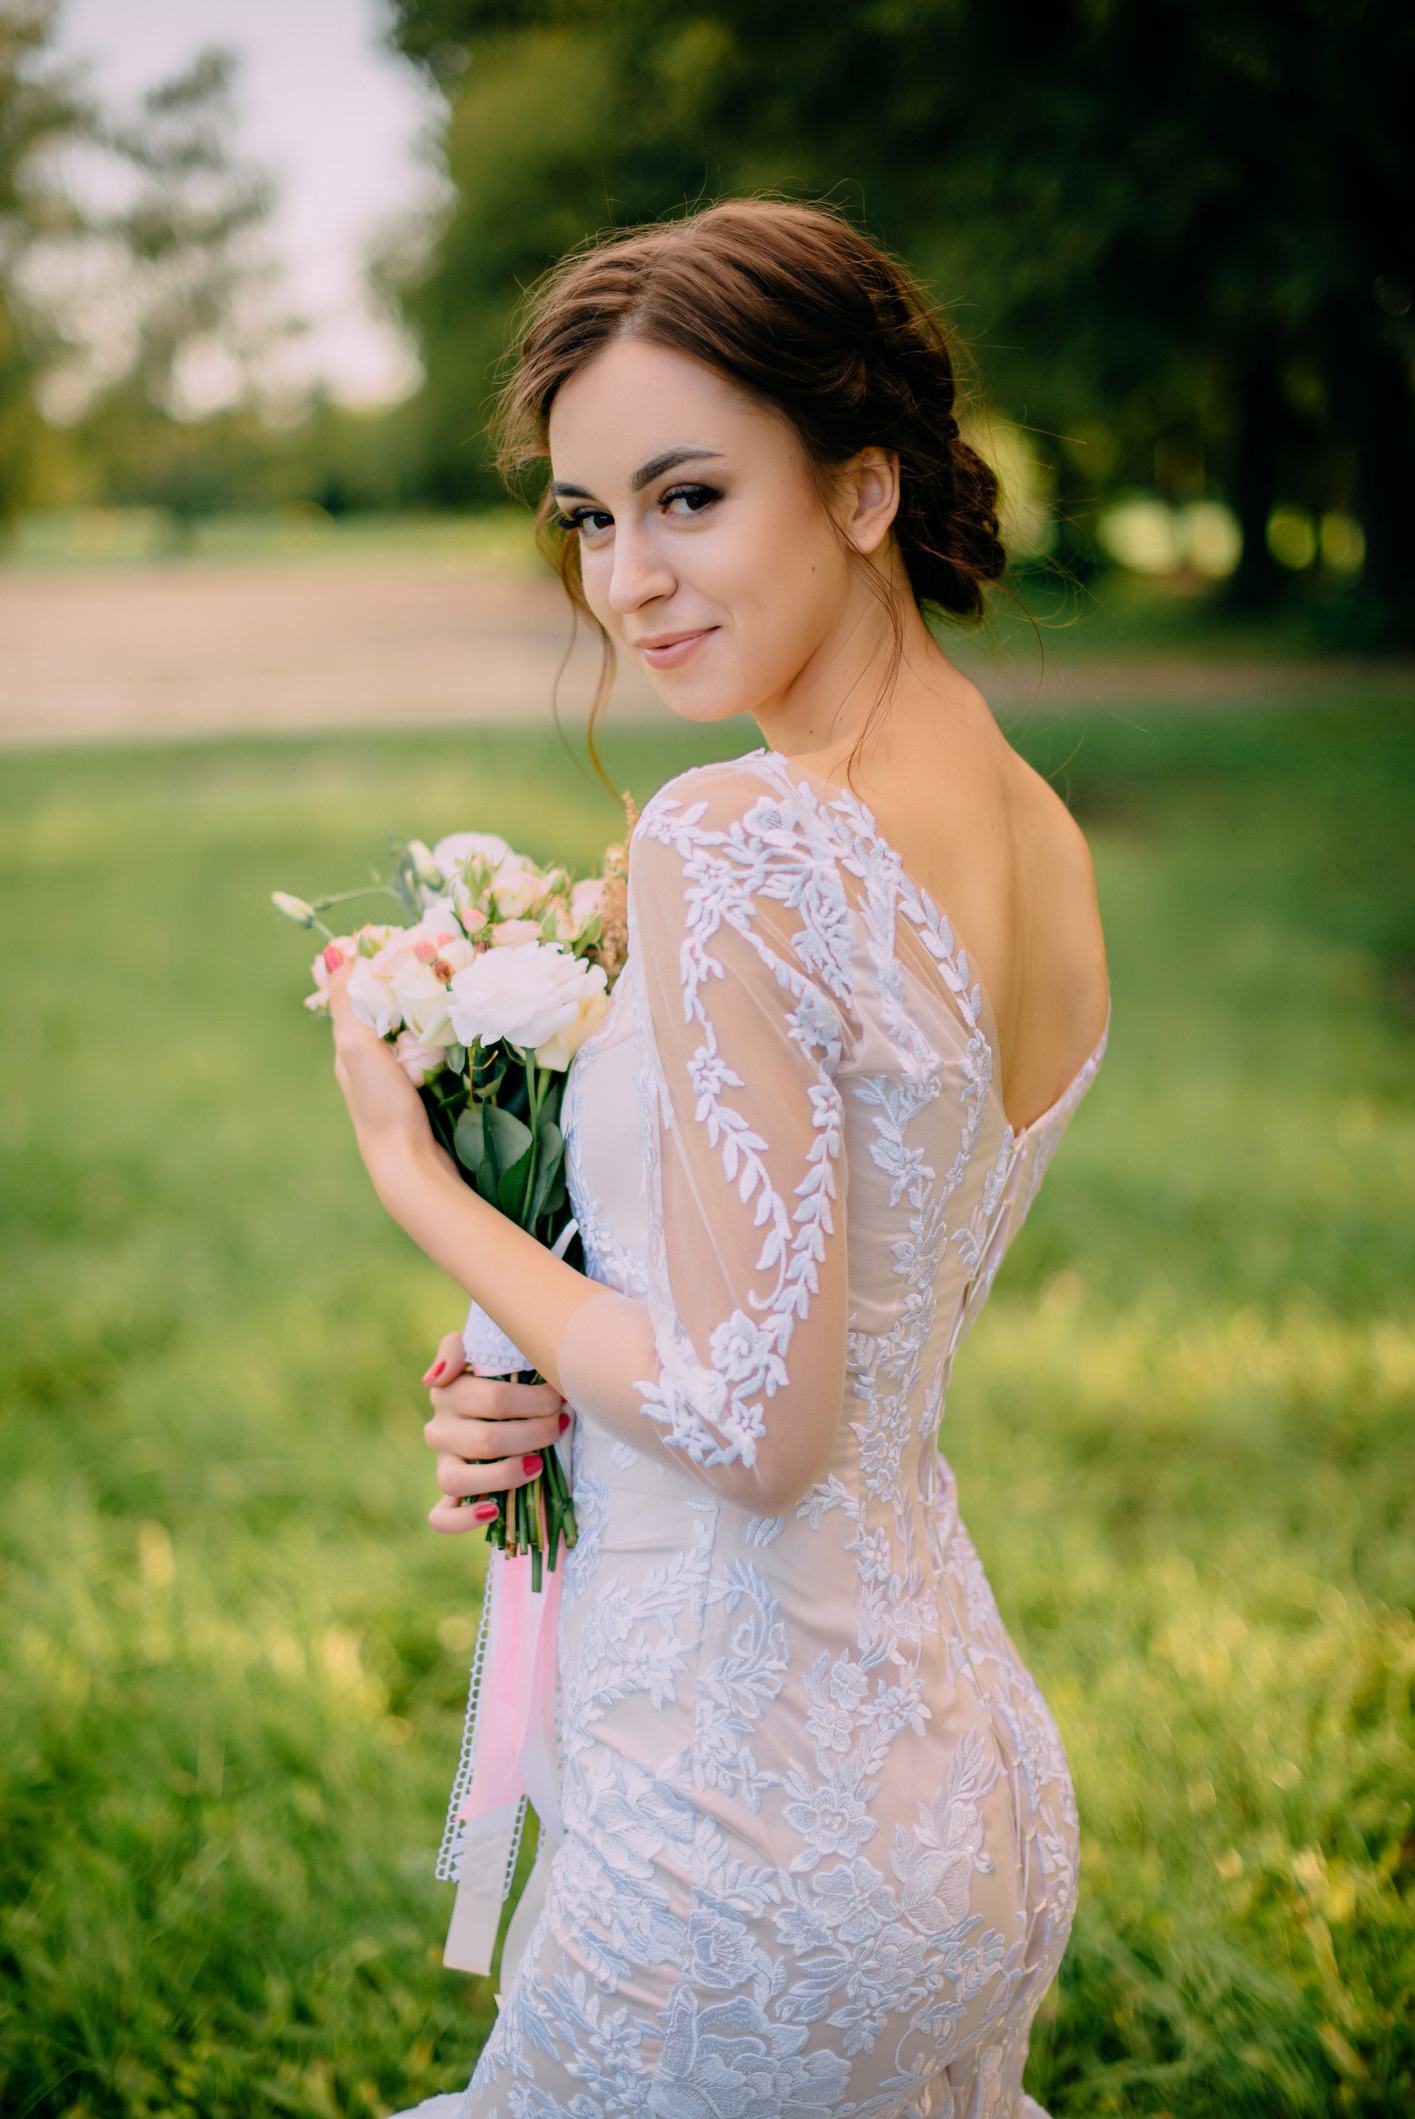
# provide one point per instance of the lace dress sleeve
(734, 1368)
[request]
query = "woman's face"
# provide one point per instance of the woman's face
(705, 548)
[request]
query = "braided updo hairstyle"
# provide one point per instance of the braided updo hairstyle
(804, 313)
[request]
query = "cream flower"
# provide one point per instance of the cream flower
(523, 994)
(371, 995)
(374, 987)
(454, 852)
(421, 983)
(418, 1061)
(558, 1051)
(587, 901)
(514, 934)
(518, 888)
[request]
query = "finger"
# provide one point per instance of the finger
(352, 1038)
(470, 1481)
(448, 1362)
(481, 1441)
(452, 1520)
(492, 1398)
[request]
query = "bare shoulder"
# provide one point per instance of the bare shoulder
(1049, 831)
(1056, 889)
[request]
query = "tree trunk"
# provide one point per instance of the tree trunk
(1256, 583)
(1383, 422)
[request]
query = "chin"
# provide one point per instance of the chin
(700, 698)
(700, 702)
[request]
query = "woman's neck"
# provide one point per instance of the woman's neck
(863, 689)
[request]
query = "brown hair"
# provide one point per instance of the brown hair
(806, 314)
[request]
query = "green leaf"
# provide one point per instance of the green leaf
(469, 1139)
(507, 1137)
(551, 1142)
(512, 1190)
(557, 1196)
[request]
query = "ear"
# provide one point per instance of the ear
(869, 489)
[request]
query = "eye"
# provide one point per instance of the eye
(590, 522)
(688, 500)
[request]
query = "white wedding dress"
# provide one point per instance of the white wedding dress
(820, 1838)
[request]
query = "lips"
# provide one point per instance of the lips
(667, 651)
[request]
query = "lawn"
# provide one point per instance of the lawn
(234, 1660)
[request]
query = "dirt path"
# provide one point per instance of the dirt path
(172, 650)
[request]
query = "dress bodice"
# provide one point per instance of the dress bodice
(934, 1183)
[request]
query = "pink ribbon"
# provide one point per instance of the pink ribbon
(515, 1748)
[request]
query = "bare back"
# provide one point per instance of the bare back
(1000, 853)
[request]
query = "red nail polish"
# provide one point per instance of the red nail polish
(485, 1510)
(434, 1372)
(564, 1422)
(333, 957)
(530, 1465)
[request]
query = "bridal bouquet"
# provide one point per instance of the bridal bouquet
(497, 974)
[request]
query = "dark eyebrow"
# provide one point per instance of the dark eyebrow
(669, 461)
(646, 474)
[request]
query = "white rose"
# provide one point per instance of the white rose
(421, 982)
(558, 1051)
(458, 847)
(371, 996)
(373, 988)
(418, 1061)
(514, 934)
(524, 995)
(518, 887)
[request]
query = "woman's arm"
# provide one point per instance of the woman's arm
(734, 1369)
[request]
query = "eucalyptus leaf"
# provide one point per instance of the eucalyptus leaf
(512, 1189)
(507, 1137)
(469, 1139)
(551, 1142)
(557, 1197)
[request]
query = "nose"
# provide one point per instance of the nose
(640, 574)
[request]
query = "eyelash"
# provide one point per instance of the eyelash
(704, 495)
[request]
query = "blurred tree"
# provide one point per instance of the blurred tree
(167, 308)
(39, 111)
(1178, 233)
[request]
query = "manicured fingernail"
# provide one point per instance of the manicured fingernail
(434, 1372)
(333, 957)
(530, 1465)
(485, 1510)
(564, 1422)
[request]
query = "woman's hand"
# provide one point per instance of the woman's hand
(488, 1435)
(389, 1120)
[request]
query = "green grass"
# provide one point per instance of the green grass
(234, 1661)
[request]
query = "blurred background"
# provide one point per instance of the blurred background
(262, 604)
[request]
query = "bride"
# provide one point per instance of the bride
(819, 1839)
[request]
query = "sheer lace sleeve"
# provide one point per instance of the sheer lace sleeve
(735, 1366)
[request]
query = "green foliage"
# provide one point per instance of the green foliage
(38, 112)
(234, 1662)
(1177, 235)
